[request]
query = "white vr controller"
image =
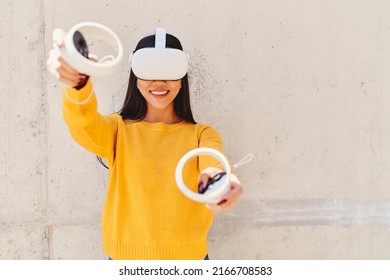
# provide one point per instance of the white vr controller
(72, 54)
(218, 189)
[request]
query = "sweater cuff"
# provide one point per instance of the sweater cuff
(80, 96)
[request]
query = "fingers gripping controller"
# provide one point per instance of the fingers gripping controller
(217, 187)
(213, 183)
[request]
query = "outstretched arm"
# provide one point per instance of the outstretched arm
(93, 131)
(211, 139)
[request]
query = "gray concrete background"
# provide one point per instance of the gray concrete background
(303, 85)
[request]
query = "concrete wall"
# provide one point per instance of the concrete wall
(303, 85)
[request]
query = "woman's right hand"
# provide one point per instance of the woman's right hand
(59, 68)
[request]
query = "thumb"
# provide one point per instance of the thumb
(202, 182)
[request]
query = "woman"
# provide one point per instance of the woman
(145, 215)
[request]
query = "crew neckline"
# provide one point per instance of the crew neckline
(157, 126)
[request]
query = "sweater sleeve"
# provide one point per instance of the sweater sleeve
(209, 138)
(93, 131)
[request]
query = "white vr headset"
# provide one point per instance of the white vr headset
(160, 62)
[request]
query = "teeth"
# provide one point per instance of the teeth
(159, 92)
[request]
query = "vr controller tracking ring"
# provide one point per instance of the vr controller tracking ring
(209, 197)
(85, 65)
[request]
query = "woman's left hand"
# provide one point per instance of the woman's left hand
(230, 199)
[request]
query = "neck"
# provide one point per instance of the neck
(155, 116)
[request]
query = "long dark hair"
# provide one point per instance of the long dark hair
(134, 107)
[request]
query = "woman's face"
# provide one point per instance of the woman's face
(159, 94)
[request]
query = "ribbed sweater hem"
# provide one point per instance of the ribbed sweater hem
(118, 250)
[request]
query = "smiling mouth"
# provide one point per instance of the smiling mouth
(159, 93)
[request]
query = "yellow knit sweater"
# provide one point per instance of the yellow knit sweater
(145, 215)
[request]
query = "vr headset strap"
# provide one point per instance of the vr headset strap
(160, 42)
